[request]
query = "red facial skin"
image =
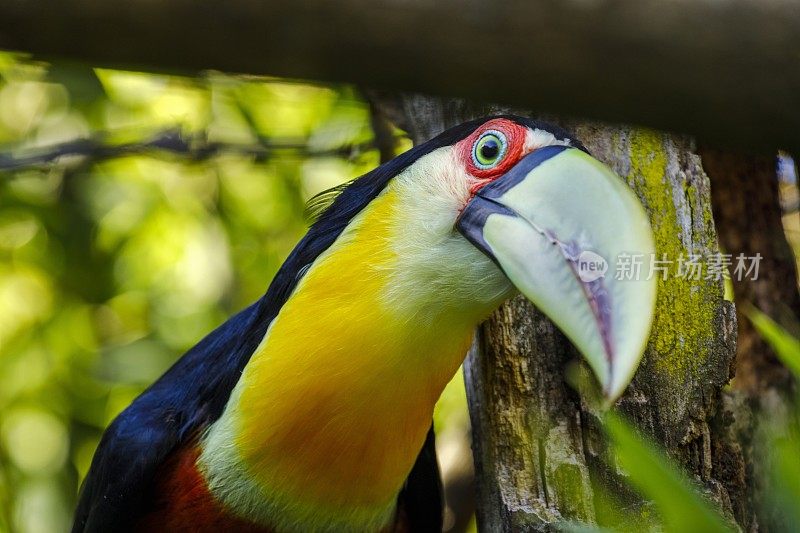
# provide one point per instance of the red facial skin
(515, 148)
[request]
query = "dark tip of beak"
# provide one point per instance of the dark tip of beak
(473, 217)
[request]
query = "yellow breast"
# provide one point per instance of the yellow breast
(334, 405)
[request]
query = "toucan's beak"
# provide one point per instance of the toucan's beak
(557, 224)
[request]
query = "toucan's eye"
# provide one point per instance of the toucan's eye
(489, 149)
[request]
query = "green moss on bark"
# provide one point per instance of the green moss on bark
(683, 330)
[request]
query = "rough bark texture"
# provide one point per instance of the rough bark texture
(725, 70)
(539, 454)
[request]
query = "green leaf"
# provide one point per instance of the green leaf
(786, 347)
(784, 492)
(783, 439)
(652, 474)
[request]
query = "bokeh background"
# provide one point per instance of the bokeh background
(138, 212)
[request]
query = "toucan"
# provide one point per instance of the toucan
(311, 410)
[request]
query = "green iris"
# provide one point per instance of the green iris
(489, 149)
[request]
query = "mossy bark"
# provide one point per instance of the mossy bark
(539, 452)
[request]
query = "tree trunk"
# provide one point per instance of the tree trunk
(539, 454)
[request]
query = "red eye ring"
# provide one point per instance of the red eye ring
(512, 150)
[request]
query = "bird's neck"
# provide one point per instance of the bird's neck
(332, 410)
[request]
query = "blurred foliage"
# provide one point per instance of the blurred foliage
(111, 268)
(786, 347)
(781, 431)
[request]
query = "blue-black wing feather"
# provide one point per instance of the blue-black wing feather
(421, 502)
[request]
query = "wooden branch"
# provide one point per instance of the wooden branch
(727, 71)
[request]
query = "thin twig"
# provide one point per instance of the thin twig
(173, 141)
